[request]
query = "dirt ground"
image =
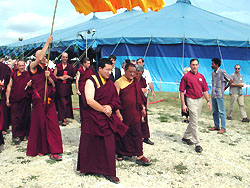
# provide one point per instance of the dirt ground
(225, 161)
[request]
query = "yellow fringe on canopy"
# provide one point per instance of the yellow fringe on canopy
(88, 6)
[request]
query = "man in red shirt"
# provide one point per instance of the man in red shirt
(196, 86)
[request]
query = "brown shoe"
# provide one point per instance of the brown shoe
(221, 131)
(214, 129)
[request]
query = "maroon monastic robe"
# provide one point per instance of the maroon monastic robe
(1, 125)
(131, 102)
(20, 104)
(97, 143)
(64, 92)
(84, 75)
(144, 125)
(45, 135)
(5, 73)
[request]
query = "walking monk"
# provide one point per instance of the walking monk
(64, 72)
(82, 75)
(97, 143)
(45, 135)
(133, 109)
(17, 96)
(144, 122)
(5, 73)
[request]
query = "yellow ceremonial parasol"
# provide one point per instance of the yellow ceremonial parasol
(88, 6)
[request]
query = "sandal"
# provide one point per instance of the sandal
(64, 124)
(55, 157)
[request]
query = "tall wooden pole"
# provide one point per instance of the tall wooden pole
(51, 32)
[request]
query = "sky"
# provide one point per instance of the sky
(30, 18)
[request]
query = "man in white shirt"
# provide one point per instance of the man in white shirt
(147, 76)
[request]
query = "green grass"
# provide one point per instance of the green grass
(51, 161)
(172, 100)
(180, 168)
(218, 174)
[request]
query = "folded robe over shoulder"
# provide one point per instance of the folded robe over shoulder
(97, 123)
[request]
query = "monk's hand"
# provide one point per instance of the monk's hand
(8, 102)
(184, 108)
(47, 73)
(143, 112)
(144, 90)
(29, 84)
(50, 39)
(64, 77)
(107, 110)
(78, 92)
(119, 116)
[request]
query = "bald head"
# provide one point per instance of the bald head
(64, 57)
(21, 66)
(44, 60)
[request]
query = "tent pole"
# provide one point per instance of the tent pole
(183, 51)
(150, 40)
(51, 32)
(220, 53)
(116, 46)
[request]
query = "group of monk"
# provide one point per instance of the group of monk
(113, 110)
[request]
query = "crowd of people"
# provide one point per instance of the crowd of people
(36, 100)
(113, 103)
(193, 87)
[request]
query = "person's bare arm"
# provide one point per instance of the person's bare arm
(90, 94)
(41, 55)
(117, 87)
(208, 101)
(237, 85)
(183, 105)
(152, 89)
(47, 74)
(8, 92)
(229, 84)
(77, 83)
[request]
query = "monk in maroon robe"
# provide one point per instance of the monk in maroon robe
(97, 143)
(17, 96)
(45, 135)
(5, 73)
(82, 75)
(1, 116)
(131, 112)
(144, 120)
(64, 72)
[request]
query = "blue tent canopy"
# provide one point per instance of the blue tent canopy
(168, 39)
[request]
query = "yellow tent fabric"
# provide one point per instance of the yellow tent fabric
(88, 6)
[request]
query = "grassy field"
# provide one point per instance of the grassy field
(172, 99)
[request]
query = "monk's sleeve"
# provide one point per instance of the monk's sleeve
(139, 95)
(52, 76)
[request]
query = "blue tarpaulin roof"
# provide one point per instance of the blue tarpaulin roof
(168, 26)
